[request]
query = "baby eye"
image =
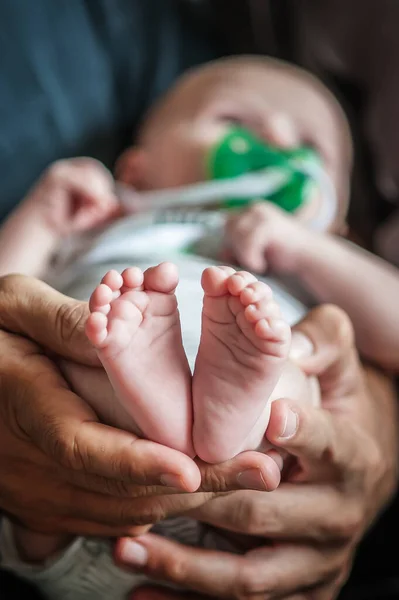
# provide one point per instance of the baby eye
(232, 120)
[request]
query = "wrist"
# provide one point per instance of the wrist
(292, 252)
(310, 246)
(34, 211)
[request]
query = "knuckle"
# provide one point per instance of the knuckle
(12, 288)
(62, 449)
(135, 512)
(104, 485)
(145, 511)
(70, 320)
(120, 489)
(129, 465)
(246, 513)
(368, 468)
(346, 525)
(244, 588)
(176, 570)
(10, 283)
(213, 480)
(127, 516)
(65, 451)
(247, 583)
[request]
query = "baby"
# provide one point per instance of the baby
(135, 325)
(242, 360)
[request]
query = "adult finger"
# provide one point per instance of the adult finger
(204, 571)
(251, 470)
(268, 572)
(93, 448)
(33, 309)
(76, 527)
(59, 523)
(326, 440)
(69, 432)
(329, 338)
(315, 513)
(118, 515)
(248, 470)
(96, 455)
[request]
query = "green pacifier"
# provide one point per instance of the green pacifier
(241, 152)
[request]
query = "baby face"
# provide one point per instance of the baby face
(197, 116)
(275, 102)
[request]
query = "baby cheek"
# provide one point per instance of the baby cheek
(181, 158)
(180, 166)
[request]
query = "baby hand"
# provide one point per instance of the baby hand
(263, 237)
(75, 195)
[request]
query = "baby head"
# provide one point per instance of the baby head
(277, 102)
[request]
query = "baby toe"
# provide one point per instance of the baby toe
(100, 299)
(96, 328)
(238, 281)
(263, 309)
(254, 292)
(274, 330)
(113, 280)
(162, 278)
(214, 280)
(132, 278)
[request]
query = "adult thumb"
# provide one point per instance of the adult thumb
(31, 308)
(322, 340)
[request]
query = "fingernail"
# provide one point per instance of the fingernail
(171, 480)
(301, 346)
(290, 424)
(252, 479)
(134, 554)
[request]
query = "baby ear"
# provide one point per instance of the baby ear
(130, 167)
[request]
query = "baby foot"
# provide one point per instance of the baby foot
(135, 327)
(243, 349)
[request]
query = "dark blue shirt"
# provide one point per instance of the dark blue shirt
(76, 76)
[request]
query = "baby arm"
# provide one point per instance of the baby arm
(330, 269)
(72, 196)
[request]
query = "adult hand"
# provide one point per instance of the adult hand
(344, 473)
(60, 469)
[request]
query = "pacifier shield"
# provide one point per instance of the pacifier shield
(240, 152)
